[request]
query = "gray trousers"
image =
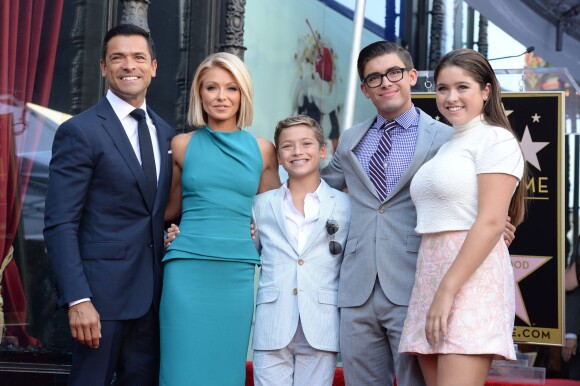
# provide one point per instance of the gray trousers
(369, 342)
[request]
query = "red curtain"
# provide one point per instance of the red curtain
(28, 40)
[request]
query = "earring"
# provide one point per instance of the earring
(485, 98)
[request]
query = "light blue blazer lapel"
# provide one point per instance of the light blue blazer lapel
(115, 130)
(425, 135)
(327, 203)
(361, 130)
(277, 203)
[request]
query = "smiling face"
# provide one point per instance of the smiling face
(220, 97)
(128, 68)
(391, 98)
(459, 97)
(299, 151)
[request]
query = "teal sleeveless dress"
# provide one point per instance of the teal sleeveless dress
(207, 300)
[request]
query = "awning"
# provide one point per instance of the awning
(531, 29)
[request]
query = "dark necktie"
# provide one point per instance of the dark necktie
(147, 157)
(377, 169)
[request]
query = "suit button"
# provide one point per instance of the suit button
(295, 291)
(149, 244)
(381, 209)
(300, 262)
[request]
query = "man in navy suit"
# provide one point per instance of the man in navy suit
(104, 219)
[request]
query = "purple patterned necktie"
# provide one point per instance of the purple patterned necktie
(377, 167)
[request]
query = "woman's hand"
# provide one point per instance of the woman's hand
(437, 317)
(172, 231)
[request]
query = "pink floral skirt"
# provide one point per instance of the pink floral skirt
(482, 315)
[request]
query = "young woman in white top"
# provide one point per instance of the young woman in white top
(462, 309)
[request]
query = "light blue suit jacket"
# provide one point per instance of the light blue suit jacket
(297, 285)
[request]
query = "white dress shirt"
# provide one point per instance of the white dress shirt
(122, 110)
(299, 227)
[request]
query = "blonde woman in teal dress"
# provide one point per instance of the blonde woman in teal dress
(208, 281)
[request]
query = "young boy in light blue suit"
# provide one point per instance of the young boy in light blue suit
(301, 229)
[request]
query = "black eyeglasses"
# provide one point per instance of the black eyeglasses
(394, 74)
(334, 246)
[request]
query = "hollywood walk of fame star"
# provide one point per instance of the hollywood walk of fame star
(506, 112)
(531, 149)
(523, 266)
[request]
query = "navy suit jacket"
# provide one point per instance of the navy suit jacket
(103, 240)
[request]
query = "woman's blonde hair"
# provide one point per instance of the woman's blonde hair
(196, 116)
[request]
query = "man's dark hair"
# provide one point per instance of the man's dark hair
(127, 30)
(381, 48)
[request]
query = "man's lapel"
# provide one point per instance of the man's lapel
(425, 134)
(358, 168)
(115, 129)
(163, 142)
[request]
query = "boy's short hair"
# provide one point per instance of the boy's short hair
(381, 48)
(299, 120)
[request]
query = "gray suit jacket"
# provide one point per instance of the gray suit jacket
(382, 239)
(298, 284)
(573, 312)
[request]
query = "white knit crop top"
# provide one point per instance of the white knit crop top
(444, 189)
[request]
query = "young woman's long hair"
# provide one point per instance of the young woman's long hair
(480, 70)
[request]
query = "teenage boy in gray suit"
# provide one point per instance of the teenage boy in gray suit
(378, 270)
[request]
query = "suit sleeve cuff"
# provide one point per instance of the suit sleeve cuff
(78, 301)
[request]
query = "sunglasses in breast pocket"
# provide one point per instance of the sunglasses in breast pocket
(331, 228)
